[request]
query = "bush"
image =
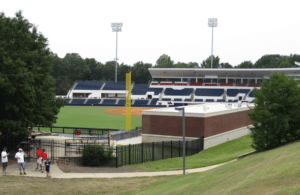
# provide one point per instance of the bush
(96, 155)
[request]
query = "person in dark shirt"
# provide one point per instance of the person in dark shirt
(47, 165)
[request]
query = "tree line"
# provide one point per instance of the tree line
(73, 67)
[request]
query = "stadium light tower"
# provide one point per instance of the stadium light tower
(212, 22)
(116, 27)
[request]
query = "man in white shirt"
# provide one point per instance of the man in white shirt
(4, 160)
(20, 159)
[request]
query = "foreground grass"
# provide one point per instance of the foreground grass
(93, 117)
(272, 172)
(215, 155)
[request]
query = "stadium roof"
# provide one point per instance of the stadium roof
(219, 72)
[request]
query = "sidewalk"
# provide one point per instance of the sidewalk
(57, 173)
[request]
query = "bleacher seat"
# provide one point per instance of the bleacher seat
(220, 100)
(251, 94)
(180, 83)
(183, 92)
(121, 102)
(209, 92)
(226, 84)
(209, 100)
(254, 85)
(198, 100)
(177, 99)
(154, 101)
(109, 101)
(115, 86)
(141, 102)
(211, 84)
(165, 83)
(88, 85)
(234, 92)
(188, 100)
(235, 100)
(93, 101)
(193, 83)
(154, 83)
(142, 89)
(178, 104)
(241, 84)
(166, 99)
(78, 101)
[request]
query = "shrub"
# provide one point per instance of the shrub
(96, 155)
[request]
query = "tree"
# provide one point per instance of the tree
(77, 67)
(122, 70)
(245, 64)
(226, 65)
(140, 73)
(276, 115)
(164, 61)
(207, 63)
(27, 89)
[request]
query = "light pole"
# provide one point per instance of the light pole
(116, 27)
(212, 22)
(183, 135)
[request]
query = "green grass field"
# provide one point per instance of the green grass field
(92, 117)
(275, 171)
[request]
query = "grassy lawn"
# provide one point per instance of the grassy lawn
(275, 171)
(215, 155)
(92, 117)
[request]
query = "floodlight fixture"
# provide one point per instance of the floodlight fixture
(212, 22)
(116, 27)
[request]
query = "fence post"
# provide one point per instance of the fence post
(179, 148)
(84, 154)
(39, 128)
(152, 151)
(52, 155)
(28, 150)
(171, 149)
(63, 130)
(129, 155)
(51, 129)
(162, 149)
(142, 153)
(116, 156)
(186, 147)
(65, 147)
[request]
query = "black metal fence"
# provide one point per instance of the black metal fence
(63, 150)
(145, 152)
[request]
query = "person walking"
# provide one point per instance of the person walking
(44, 160)
(20, 159)
(39, 155)
(47, 165)
(4, 160)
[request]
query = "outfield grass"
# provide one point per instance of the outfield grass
(215, 155)
(275, 171)
(92, 117)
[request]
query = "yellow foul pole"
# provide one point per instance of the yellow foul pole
(128, 101)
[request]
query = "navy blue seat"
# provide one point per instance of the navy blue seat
(209, 100)
(251, 94)
(142, 89)
(183, 92)
(235, 100)
(234, 92)
(178, 104)
(188, 100)
(115, 86)
(209, 92)
(220, 100)
(166, 99)
(141, 102)
(109, 101)
(78, 101)
(154, 101)
(177, 99)
(88, 85)
(93, 101)
(121, 103)
(198, 100)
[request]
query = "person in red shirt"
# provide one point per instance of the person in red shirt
(39, 155)
(44, 160)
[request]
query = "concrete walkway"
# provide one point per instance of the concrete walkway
(57, 173)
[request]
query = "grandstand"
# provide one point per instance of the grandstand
(177, 86)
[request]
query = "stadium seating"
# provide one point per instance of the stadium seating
(183, 92)
(109, 102)
(254, 85)
(93, 101)
(177, 99)
(180, 83)
(226, 84)
(211, 84)
(234, 92)
(142, 89)
(154, 101)
(115, 86)
(192, 83)
(88, 85)
(154, 83)
(241, 84)
(141, 102)
(78, 101)
(165, 83)
(209, 92)
(188, 100)
(209, 100)
(178, 104)
(121, 102)
(220, 100)
(251, 94)
(166, 99)
(198, 100)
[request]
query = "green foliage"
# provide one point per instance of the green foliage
(27, 89)
(276, 116)
(140, 73)
(226, 65)
(207, 63)
(245, 64)
(164, 61)
(96, 155)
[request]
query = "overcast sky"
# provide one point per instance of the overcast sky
(246, 30)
